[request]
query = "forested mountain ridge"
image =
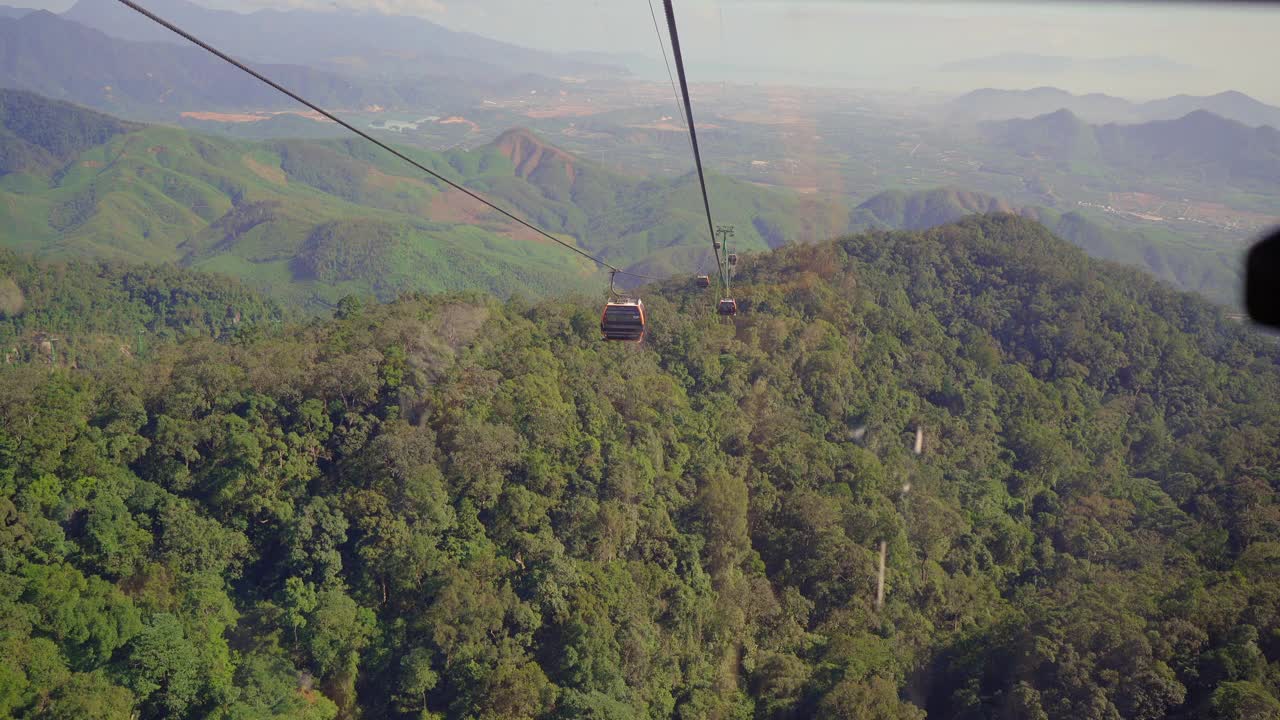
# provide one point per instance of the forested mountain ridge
(451, 507)
(277, 214)
(901, 210)
(1214, 273)
(92, 314)
(40, 137)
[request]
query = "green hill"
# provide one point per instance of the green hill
(91, 314)
(1212, 272)
(452, 507)
(901, 210)
(39, 137)
(157, 194)
(259, 211)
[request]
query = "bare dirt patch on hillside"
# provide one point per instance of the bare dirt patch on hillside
(455, 207)
(266, 172)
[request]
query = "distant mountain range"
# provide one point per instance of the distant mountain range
(1231, 105)
(991, 104)
(359, 41)
(1200, 145)
(318, 219)
(13, 12)
(1031, 63)
(45, 53)
(57, 57)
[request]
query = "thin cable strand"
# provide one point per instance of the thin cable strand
(663, 47)
(693, 135)
(197, 41)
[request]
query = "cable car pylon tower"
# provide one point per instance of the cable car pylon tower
(727, 305)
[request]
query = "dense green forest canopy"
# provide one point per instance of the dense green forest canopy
(448, 506)
(80, 313)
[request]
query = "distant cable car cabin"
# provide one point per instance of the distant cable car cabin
(623, 320)
(704, 281)
(728, 306)
(733, 258)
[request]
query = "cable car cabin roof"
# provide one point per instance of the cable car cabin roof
(624, 309)
(630, 314)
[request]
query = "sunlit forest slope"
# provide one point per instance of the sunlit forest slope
(448, 506)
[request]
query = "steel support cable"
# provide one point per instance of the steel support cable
(280, 88)
(662, 45)
(693, 135)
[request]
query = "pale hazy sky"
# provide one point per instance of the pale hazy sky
(1229, 45)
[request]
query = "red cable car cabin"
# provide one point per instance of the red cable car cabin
(623, 320)
(728, 306)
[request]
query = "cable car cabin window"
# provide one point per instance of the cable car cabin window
(622, 321)
(625, 316)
